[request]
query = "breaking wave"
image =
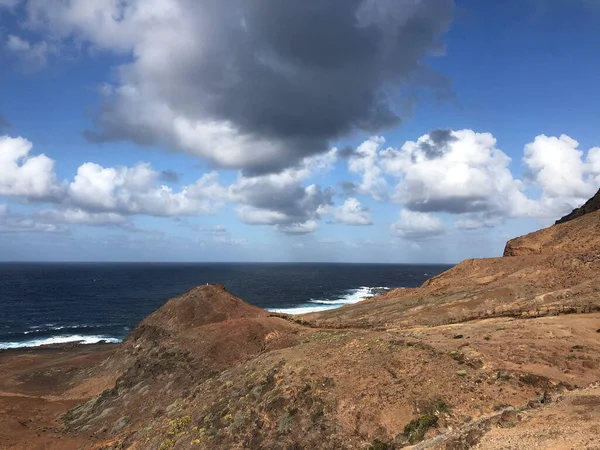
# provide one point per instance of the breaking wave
(349, 297)
(74, 338)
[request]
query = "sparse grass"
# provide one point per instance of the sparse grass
(415, 430)
(510, 424)
(228, 416)
(284, 423)
(578, 347)
(179, 424)
(228, 384)
(208, 419)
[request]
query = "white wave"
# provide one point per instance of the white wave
(51, 327)
(58, 340)
(350, 297)
(301, 309)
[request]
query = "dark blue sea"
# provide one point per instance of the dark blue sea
(56, 303)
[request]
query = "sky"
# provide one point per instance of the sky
(389, 131)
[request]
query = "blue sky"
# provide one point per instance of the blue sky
(369, 131)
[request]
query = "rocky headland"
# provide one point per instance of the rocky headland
(498, 353)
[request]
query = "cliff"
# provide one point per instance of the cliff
(493, 354)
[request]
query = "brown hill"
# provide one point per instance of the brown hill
(494, 353)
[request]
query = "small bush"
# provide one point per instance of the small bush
(487, 338)
(167, 444)
(379, 445)
(415, 430)
(179, 424)
(458, 336)
(238, 420)
(461, 373)
(285, 423)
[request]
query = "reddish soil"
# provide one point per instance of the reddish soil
(34, 393)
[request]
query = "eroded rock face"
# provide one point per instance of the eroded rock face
(593, 204)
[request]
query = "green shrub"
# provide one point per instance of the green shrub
(167, 444)
(415, 430)
(379, 445)
(179, 424)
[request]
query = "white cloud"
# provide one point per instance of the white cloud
(366, 162)
(29, 177)
(21, 223)
(80, 217)
(464, 173)
(557, 167)
(135, 190)
(352, 213)
(417, 225)
(32, 56)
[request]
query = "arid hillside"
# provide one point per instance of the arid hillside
(499, 353)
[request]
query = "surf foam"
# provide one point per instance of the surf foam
(58, 340)
(350, 297)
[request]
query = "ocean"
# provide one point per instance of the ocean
(43, 303)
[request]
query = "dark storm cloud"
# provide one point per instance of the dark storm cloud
(348, 188)
(455, 205)
(170, 176)
(296, 203)
(438, 144)
(295, 73)
(346, 152)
